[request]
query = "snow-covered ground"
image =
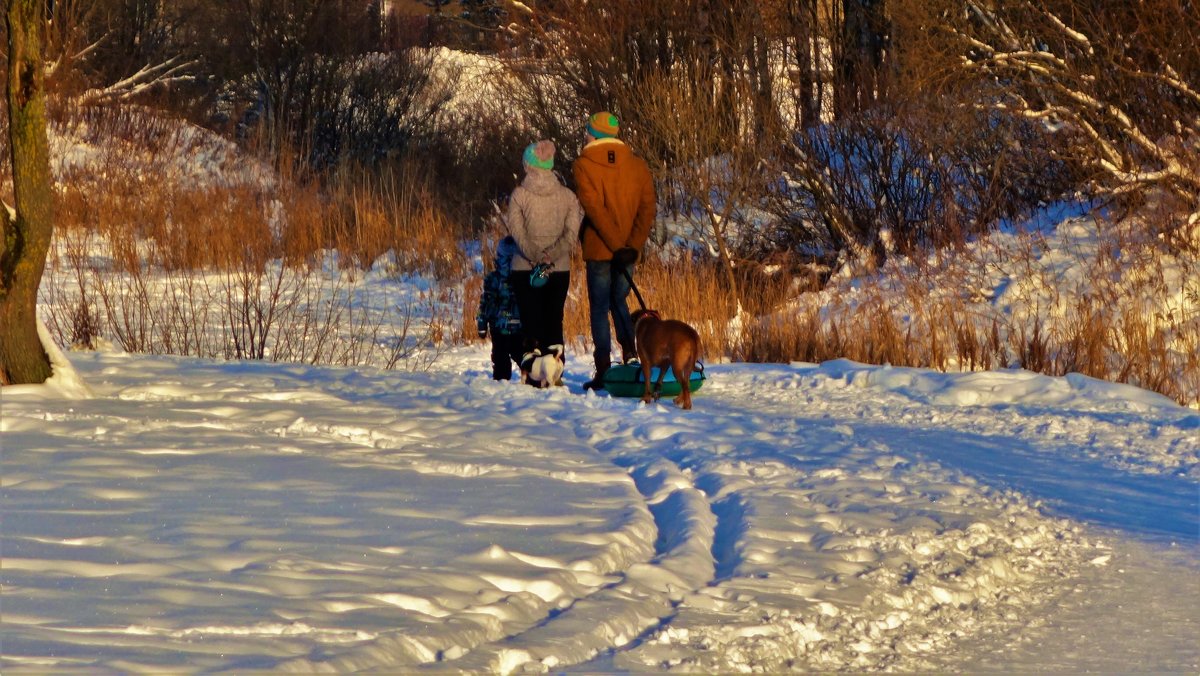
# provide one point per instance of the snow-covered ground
(165, 513)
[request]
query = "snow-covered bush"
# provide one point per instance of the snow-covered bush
(904, 177)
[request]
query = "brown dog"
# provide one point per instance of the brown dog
(662, 343)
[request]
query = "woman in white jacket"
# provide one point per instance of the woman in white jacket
(543, 217)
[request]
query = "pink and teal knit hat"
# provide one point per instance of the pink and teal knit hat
(540, 155)
(603, 125)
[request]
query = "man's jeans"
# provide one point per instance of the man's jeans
(607, 288)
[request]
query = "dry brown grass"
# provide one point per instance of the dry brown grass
(685, 288)
(935, 315)
(677, 284)
(178, 227)
(139, 184)
(394, 213)
(160, 262)
(1132, 325)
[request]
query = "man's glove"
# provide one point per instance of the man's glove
(625, 255)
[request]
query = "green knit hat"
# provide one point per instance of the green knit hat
(540, 155)
(603, 125)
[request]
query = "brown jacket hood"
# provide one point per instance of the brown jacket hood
(617, 193)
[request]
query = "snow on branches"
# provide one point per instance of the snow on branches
(1110, 79)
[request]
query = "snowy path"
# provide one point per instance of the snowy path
(1137, 613)
(231, 516)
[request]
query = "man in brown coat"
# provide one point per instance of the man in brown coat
(617, 193)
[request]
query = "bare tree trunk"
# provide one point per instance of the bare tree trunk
(807, 45)
(864, 35)
(766, 111)
(26, 237)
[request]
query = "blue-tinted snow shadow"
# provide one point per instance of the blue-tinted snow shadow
(1069, 484)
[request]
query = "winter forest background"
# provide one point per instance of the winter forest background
(821, 168)
(944, 256)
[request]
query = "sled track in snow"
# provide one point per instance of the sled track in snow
(643, 595)
(644, 598)
(802, 576)
(759, 531)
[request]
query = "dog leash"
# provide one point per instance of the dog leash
(587, 223)
(629, 278)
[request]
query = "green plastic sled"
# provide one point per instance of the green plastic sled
(625, 380)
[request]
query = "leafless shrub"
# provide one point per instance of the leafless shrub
(902, 177)
(272, 312)
(370, 108)
(1115, 78)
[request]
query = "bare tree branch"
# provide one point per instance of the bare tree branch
(1053, 70)
(67, 58)
(171, 71)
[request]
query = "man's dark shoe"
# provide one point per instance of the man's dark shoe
(597, 381)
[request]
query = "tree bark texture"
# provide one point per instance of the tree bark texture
(864, 38)
(26, 238)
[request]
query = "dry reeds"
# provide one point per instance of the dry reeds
(681, 286)
(248, 269)
(1134, 320)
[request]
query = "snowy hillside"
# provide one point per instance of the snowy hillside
(1075, 288)
(183, 514)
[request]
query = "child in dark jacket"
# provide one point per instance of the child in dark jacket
(498, 313)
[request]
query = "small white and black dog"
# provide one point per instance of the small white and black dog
(543, 369)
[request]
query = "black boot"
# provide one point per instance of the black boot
(597, 382)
